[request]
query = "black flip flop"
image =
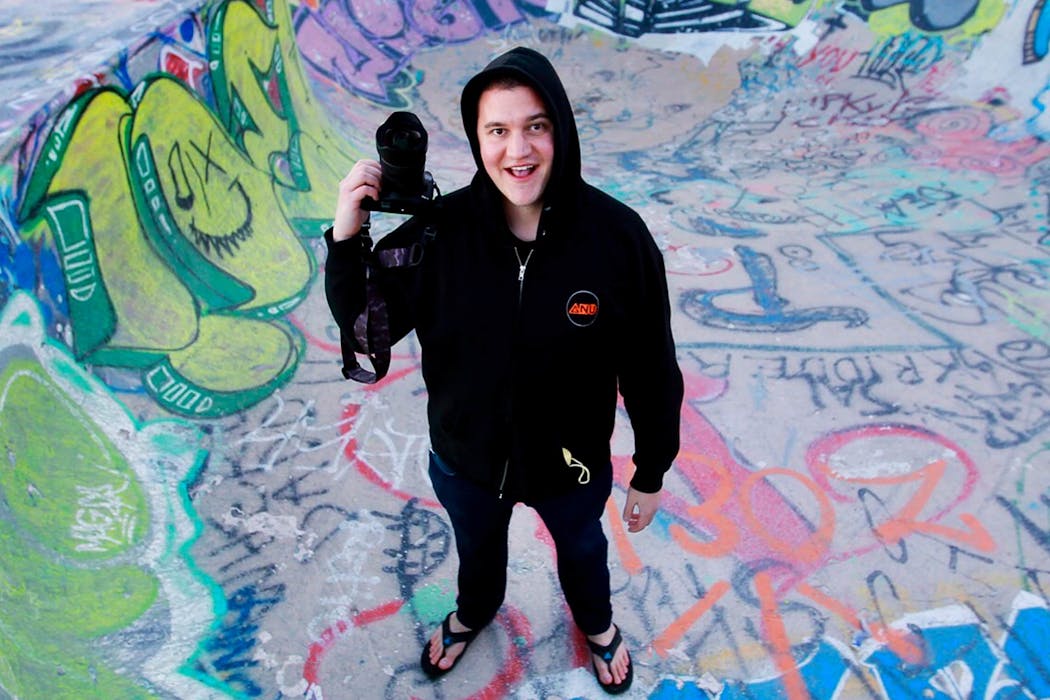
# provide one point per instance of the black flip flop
(606, 654)
(448, 638)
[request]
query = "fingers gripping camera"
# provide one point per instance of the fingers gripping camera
(405, 188)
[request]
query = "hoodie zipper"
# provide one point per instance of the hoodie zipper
(521, 271)
(503, 479)
(522, 264)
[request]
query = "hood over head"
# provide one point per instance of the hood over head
(533, 69)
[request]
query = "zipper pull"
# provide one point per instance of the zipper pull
(522, 264)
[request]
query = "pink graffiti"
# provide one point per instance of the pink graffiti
(713, 470)
(739, 511)
(830, 59)
(961, 139)
(927, 480)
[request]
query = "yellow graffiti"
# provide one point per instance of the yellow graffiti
(787, 11)
(288, 136)
(154, 196)
(97, 235)
(222, 205)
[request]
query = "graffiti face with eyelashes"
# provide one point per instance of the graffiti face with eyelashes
(206, 194)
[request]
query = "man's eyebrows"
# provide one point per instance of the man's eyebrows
(539, 116)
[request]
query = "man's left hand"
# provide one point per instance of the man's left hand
(640, 509)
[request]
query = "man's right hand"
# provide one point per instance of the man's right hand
(362, 181)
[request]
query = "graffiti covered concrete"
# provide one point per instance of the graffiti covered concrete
(851, 199)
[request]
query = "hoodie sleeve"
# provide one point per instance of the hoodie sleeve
(344, 279)
(649, 377)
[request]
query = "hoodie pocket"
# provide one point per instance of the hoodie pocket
(441, 465)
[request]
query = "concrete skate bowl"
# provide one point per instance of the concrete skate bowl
(851, 200)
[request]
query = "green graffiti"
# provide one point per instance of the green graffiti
(200, 234)
(72, 497)
(202, 194)
(79, 188)
(153, 196)
(790, 12)
(95, 530)
(71, 490)
(197, 381)
(431, 602)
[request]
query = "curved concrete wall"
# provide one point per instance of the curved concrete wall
(851, 198)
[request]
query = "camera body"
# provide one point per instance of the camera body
(397, 203)
(405, 188)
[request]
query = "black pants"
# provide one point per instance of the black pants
(480, 521)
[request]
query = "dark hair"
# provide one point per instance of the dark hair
(504, 81)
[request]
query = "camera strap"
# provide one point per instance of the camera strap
(371, 330)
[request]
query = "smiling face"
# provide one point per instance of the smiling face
(516, 140)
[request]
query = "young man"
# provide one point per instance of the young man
(537, 299)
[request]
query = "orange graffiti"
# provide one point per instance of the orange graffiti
(677, 629)
(710, 512)
(629, 558)
(905, 521)
(776, 634)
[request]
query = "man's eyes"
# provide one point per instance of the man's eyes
(536, 127)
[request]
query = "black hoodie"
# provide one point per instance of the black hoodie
(522, 363)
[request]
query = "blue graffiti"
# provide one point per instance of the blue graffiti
(960, 661)
(928, 15)
(38, 272)
(672, 689)
(775, 315)
(1037, 34)
(1027, 641)
(228, 656)
(24, 268)
(710, 227)
(6, 281)
(822, 673)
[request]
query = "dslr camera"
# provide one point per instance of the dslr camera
(405, 187)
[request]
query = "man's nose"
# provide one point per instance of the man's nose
(518, 145)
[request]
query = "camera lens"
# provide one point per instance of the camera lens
(405, 188)
(402, 145)
(405, 140)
